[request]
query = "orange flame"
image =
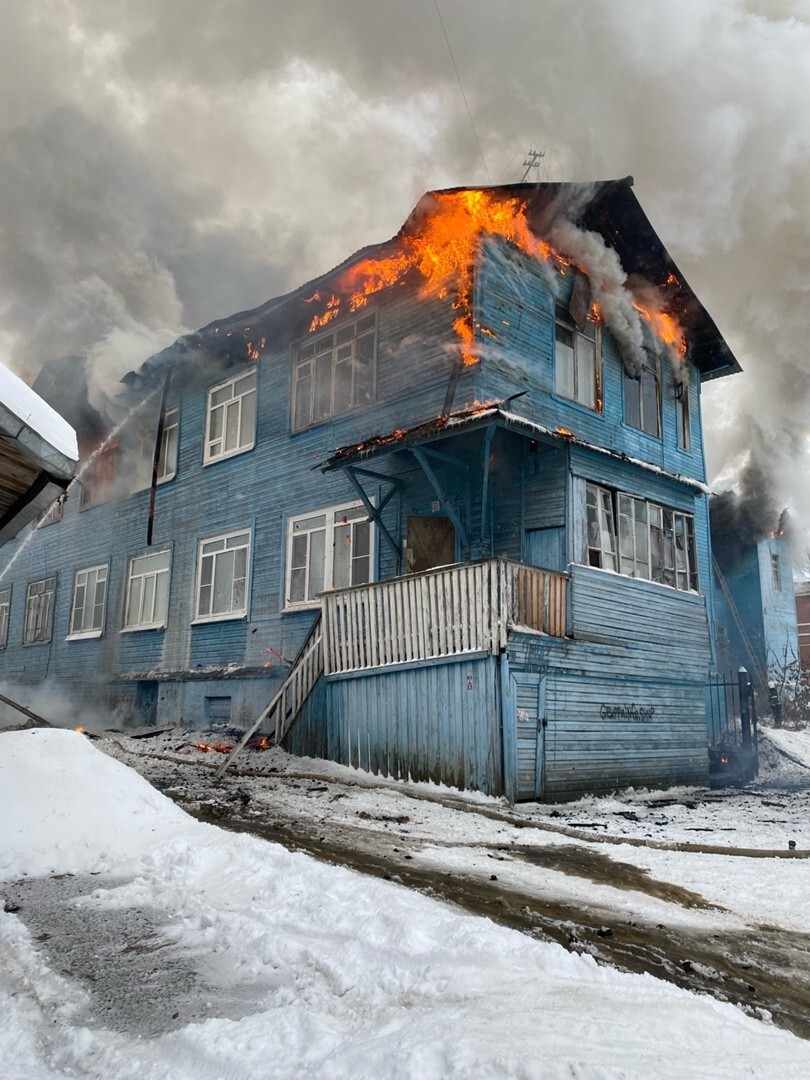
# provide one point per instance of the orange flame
(442, 250)
(665, 326)
(79, 730)
(217, 748)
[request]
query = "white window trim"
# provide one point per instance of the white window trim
(230, 616)
(329, 513)
(49, 639)
(563, 318)
(175, 413)
(6, 591)
(96, 632)
(300, 363)
(208, 458)
(137, 627)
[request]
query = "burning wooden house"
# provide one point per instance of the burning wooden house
(440, 513)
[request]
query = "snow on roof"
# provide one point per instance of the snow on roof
(32, 412)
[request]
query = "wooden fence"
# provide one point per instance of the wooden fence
(460, 609)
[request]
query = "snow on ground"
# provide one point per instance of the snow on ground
(344, 976)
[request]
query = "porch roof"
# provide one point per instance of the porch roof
(471, 418)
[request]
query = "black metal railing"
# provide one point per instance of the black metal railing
(732, 728)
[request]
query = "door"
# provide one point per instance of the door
(546, 548)
(431, 542)
(530, 694)
(146, 702)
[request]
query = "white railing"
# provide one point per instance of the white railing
(460, 609)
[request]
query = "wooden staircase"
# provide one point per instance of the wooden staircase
(290, 696)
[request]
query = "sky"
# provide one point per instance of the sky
(165, 165)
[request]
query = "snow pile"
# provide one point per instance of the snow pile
(347, 976)
(65, 808)
(795, 744)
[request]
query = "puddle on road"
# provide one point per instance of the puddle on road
(602, 870)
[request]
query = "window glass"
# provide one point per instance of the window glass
(222, 576)
(328, 550)
(642, 396)
(576, 360)
(147, 602)
(39, 611)
(89, 600)
(167, 462)
(5, 608)
(654, 542)
(230, 426)
(334, 372)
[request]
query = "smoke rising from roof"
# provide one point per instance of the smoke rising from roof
(165, 165)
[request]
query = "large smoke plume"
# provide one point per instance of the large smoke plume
(164, 165)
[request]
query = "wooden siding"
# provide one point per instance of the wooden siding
(515, 304)
(636, 647)
(438, 722)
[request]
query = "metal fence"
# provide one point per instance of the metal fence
(732, 727)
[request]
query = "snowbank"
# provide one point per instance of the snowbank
(67, 808)
(30, 409)
(354, 977)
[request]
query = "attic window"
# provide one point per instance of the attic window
(577, 373)
(333, 371)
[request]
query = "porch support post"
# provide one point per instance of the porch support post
(488, 434)
(374, 512)
(419, 454)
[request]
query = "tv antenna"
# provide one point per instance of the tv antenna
(532, 163)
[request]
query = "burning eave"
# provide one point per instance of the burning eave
(470, 419)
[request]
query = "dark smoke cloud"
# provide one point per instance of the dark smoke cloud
(167, 164)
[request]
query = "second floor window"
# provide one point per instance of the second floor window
(333, 371)
(89, 602)
(682, 416)
(577, 371)
(39, 612)
(5, 606)
(230, 421)
(642, 396)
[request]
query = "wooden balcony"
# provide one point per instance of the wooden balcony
(466, 608)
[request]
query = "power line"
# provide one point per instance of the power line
(461, 88)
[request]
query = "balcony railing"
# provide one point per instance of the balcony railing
(460, 609)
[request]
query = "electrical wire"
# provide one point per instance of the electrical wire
(461, 88)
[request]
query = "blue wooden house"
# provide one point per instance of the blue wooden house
(439, 514)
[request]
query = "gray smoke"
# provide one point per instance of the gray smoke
(168, 164)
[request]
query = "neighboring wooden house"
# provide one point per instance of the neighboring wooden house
(803, 622)
(756, 613)
(452, 512)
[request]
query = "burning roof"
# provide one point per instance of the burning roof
(598, 228)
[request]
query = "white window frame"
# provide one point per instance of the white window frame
(640, 538)
(330, 528)
(5, 611)
(35, 626)
(169, 443)
(216, 549)
(345, 352)
(583, 352)
(148, 580)
(92, 612)
(241, 405)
